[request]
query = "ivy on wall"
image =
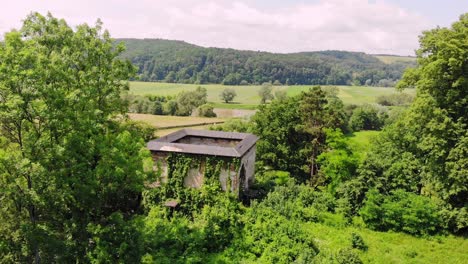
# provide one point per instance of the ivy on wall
(191, 199)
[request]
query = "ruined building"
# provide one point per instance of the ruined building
(227, 157)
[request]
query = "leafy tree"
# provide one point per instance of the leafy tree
(401, 211)
(292, 131)
(187, 101)
(206, 110)
(424, 151)
(66, 164)
(366, 117)
(265, 93)
(281, 95)
(338, 163)
(227, 95)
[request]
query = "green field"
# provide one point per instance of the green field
(391, 247)
(247, 95)
(388, 59)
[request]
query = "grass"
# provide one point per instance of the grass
(163, 132)
(247, 95)
(390, 247)
(360, 141)
(162, 122)
(388, 59)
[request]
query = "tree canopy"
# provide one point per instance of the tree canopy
(425, 150)
(178, 61)
(68, 168)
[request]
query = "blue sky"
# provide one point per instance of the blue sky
(371, 26)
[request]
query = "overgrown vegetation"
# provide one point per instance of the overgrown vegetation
(75, 174)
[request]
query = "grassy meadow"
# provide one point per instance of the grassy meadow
(389, 59)
(247, 95)
(390, 247)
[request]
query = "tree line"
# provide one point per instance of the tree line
(180, 62)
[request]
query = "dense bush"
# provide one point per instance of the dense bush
(206, 110)
(396, 99)
(233, 125)
(367, 117)
(401, 211)
(358, 242)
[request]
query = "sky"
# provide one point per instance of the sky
(371, 26)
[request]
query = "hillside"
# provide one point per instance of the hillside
(181, 62)
(391, 59)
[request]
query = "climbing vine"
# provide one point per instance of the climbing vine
(191, 199)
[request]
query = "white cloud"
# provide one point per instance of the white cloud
(355, 25)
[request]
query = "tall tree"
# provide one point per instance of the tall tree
(425, 151)
(292, 131)
(67, 166)
(227, 95)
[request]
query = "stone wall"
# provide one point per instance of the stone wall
(228, 177)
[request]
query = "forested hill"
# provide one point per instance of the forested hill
(178, 61)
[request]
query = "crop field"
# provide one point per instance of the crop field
(388, 59)
(165, 122)
(247, 95)
(168, 124)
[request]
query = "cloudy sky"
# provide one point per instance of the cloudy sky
(372, 26)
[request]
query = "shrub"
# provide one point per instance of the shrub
(366, 117)
(395, 99)
(206, 110)
(401, 211)
(347, 256)
(357, 242)
(227, 95)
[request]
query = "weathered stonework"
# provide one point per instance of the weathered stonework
(233, 148)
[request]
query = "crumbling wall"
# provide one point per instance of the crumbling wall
(248, 161)
(226, 170)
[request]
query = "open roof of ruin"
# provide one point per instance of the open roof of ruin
(242, 142)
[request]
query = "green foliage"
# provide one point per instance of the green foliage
(421, 151)
(181, 239)
(206, 110)
(177, 61)
(116, 241)
(139, 129)
(265, 93)
(396, 99)
(338, 163)
(401, 211)
(367, 117)
(65, 163)
(191, 199)
(188, 101)
(281, 95)
(357, 242)
(233, 125)
(227, 95)
(292, 131)
(347, 256)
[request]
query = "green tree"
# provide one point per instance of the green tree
(292, 131)
(366, 117)
(66, 163)
(265, 93)
(187, 101)
(227, 95)
(425, 150)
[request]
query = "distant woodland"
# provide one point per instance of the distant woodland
(181, 62)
